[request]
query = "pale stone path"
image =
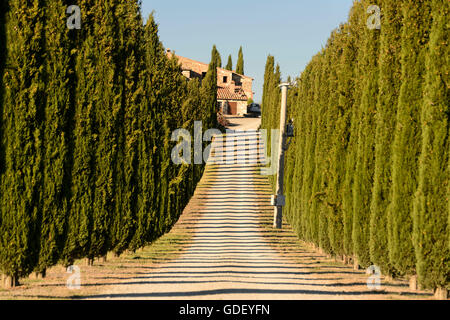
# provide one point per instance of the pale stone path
(228, 256)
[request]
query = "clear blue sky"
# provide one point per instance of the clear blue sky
(291, 30)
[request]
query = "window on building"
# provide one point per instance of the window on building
(225, 79)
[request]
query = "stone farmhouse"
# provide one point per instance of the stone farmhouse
(233, 89)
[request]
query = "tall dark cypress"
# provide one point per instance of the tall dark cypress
(83, 141)
(292, 113)
(389, 87)
(191, 112)
(267, 122)
(169, 95)
(22, 117)
(4, 7)
(176, 186)
(216, 57)
(268, 74)
(318, 201)
(366, 143)
(146, 179)
(431, 214)
(337, 132)
(106, 108)
(309, 160)
(229, 65)
(274, 105)
(209, 94)
(154, 61)
(56, 179)
(301, 121)
(316, 174)
(129, 97)
(407, 138)
(352, 78)
(137, 114)
(240, 62)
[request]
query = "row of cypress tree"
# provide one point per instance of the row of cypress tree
(85, 133)
(367, 175)
(229, 65)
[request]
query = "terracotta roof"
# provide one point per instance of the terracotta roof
(180, 58)
(227, 94)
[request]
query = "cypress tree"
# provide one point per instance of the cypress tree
(318, 207)
(366, 143)
(146, 149)
(267, 107)
(305, 105)
(191, 112)
(164, 214)
(154, 61)
(289, 210)
(84, 142)
(23, 106)
(136, 122)
(432, 205)
(130, 97)
(270, 105)
(56, 155)
(150, 138)
(171, 94)
(268, 74)
(274, 102)
(337, 132)
(3, 10)
(317, 130)
(176, 188)
(229, 65)
(240, 62)
(351, 96)
(82, 191)
(107, 127)
(209, 94)
(301, 155)
(111, 174)
(216, 57)
(406, 144)
(312, 220)
(389, 87)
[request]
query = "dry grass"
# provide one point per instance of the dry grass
(330, 270)
(94, 279)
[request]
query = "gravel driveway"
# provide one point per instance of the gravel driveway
(233, 253)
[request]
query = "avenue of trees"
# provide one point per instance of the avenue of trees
(367, 174)
(86, 117)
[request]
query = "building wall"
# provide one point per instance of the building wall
(189, 64)
(224, 73)
(241, 108)
(233, 79)
(247, 86)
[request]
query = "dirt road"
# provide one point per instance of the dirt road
(234, 254)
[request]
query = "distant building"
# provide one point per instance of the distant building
(233, 89)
